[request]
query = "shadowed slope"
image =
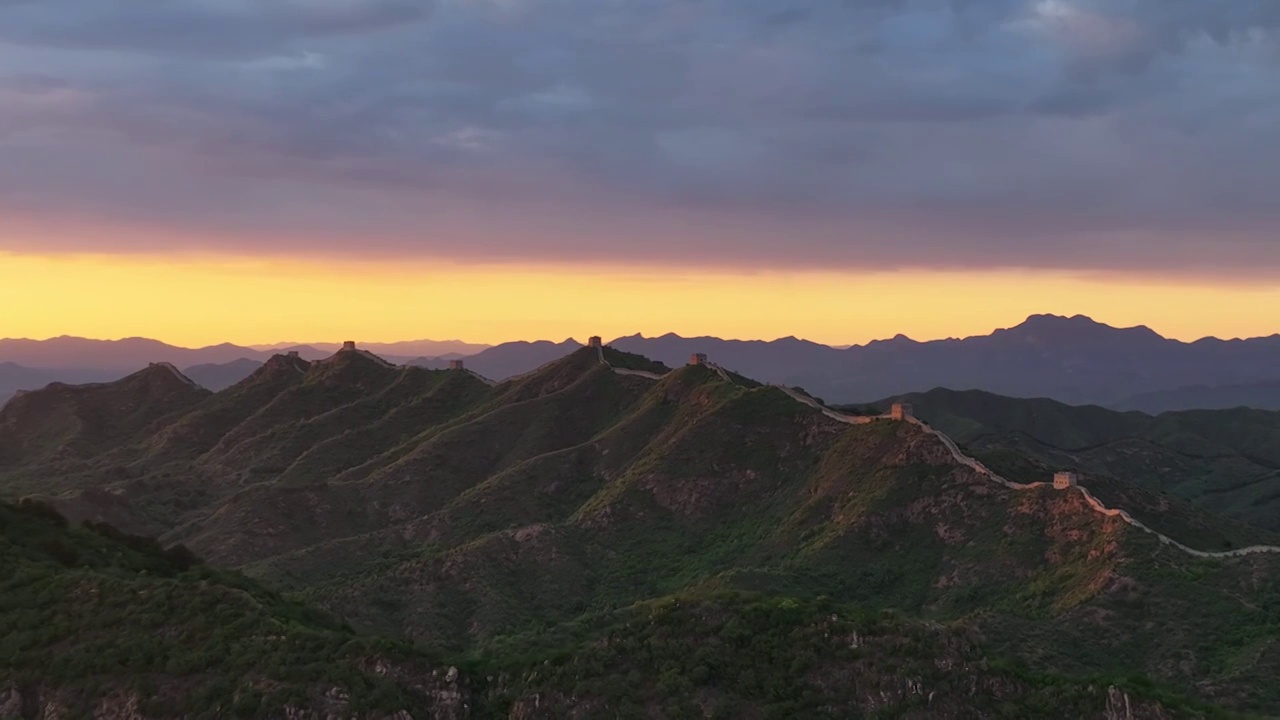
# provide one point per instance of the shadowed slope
(1226, 461)
(97, 623)
(200, 430)
(64, 425)
(433, 506)
(560, 406)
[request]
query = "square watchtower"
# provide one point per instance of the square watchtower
(698, 359)
(595, 342)
(1064, 480)
(902, 411)
(456, 365)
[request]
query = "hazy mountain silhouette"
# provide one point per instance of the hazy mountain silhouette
(406, 348)
(509, 359)
(1075, 360)
(32, 364)
(15, 378)
(1070, 359)
(128, 355)
(221, 376)
(1263, 395)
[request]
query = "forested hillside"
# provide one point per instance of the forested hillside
(499, 521)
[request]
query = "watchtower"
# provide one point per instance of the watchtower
(294, 354)
(698, 359)
(1064, 480)
(455, 365)
(595, 342)
(901, 411)
(349, 346)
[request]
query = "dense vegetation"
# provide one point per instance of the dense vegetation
(93, 619)
(518, 524)
(739, 656)
(90, 612)
(1224, 461)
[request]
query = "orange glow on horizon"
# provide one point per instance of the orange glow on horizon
(195, 301)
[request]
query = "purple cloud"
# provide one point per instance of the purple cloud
(954, 133)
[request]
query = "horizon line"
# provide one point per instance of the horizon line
(263, 347)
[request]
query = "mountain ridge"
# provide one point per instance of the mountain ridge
(474, 511)
(1072, 359)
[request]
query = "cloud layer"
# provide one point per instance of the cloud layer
(1129, 134)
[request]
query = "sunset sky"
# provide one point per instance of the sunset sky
(254, 171)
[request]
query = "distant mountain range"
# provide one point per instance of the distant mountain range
(220, 377)
(32, 364)
(1264, 395)
(1071, 359)
(1074, 360)
(407, 348)
(127, 355)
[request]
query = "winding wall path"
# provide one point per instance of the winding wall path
(1094, 502)
(480, 377)
(177, 373)
(974, 464)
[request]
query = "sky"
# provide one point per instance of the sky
(258, 170)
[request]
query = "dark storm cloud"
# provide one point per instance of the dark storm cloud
(883, 133)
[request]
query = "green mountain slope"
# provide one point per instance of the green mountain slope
(1227, 461)
(735, 656)
(435, 507)
(68, 427)
(95, 622)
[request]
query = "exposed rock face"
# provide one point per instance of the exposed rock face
(447, 700)
(10, 703)
(118, 706)
(1118, 707)
(1121, 707)
(338, 713)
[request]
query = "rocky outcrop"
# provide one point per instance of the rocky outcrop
(448, 697)
(118, 706)
(10, 703)
(1122, 707)
(444, 695)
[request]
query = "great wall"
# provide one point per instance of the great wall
(903, 413)
(899, 413)
(1094, 502)
(176, 373)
